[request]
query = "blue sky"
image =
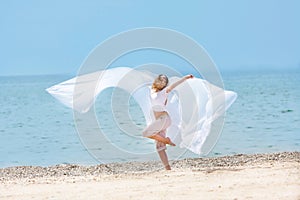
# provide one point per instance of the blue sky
(52, 37)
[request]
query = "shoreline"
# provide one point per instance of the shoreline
(242, 176)
(137, 167)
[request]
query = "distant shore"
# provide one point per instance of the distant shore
(268, 176)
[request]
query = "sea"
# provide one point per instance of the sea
(35, 129)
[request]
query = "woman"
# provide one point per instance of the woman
(157, 129)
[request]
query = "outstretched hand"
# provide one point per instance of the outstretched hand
(189, 76)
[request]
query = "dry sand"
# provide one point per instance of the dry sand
(259, 176)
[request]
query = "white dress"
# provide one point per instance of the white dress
(193, 106)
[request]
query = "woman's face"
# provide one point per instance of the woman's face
(161, 82)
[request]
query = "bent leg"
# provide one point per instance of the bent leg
(159, 125)
(156, 126)
(164, 140)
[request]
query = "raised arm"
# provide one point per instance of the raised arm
(172, 86)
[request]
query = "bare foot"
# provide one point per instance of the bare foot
(168, 167)
(169, 142)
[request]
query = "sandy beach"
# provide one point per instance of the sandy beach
(257, 176)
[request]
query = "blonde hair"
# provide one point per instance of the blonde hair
(160, 83)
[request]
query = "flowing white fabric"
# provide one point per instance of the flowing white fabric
(192, 106)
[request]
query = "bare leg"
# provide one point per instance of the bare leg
(162, 139)
(164, 159)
